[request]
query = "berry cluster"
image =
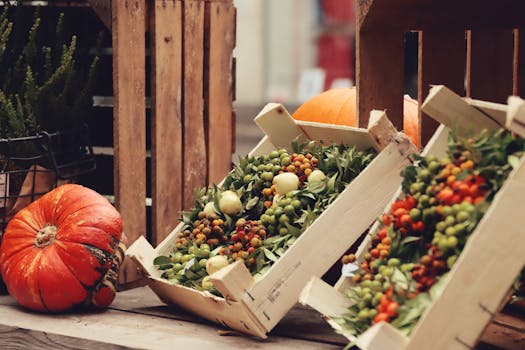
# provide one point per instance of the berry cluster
(249, 235)
(207, 229)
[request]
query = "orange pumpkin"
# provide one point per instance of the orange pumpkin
(338, 106)
(62, 251)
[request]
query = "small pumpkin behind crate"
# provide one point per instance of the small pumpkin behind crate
(255, 307)
(477, 285)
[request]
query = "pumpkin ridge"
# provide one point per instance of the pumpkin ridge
(7, 256)
(67, 217)
(61, 250)
(343, 105)
(88, 288)
(34, 264)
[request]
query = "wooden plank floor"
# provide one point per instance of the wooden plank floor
(139, 320)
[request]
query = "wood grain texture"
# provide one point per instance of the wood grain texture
(129, 123)
(218, 89)
(491, 64)
(166, 123)
(442, 58)
(194, 140)
(519, 83)
(302, 328)
(444, 14)
(13, 338)
(380, 75)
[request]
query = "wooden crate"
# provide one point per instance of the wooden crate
(255, 307)
(479, 282)
(475, 47)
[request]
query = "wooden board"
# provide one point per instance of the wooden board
(519, 61)
(219, 45)
(450, 109)
(380, 75)
(443, 14)
(166, 121)
(194, 140)
(129, 26)
(256, 307)
(135, 321)
(516, 115)
(491, 65)
(441, 61)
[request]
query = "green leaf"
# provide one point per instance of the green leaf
(252, 203)
(411, 239)
(271, 256)
(293, 230)
(161, 260)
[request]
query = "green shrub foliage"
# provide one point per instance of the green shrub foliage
(42, 88)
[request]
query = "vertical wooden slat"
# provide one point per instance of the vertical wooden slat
(195, 160)
(441, 61)
(166, 125)
(380, 74)
(491, 66)
(520, 63)
(220, 41)
(129, 52)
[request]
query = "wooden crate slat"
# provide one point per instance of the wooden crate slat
(519, 82)
(441, 60)
(219, 44)
(380, 75)
(516, 115)
(443, 14)
(129, 25)
(166, 124)
(451, 110)
(491, 64)
(194, 140)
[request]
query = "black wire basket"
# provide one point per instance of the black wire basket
(33, 165)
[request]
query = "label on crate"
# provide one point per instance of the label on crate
(4, 188)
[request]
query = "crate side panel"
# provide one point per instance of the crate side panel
(224, 312)
(442, 59)
(491, 64)
(380, 74)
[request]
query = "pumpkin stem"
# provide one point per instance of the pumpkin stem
(45, 236)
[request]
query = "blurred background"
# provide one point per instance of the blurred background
(290, 50)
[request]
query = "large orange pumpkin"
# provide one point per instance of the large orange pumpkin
(60, 250)
(338, 106)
